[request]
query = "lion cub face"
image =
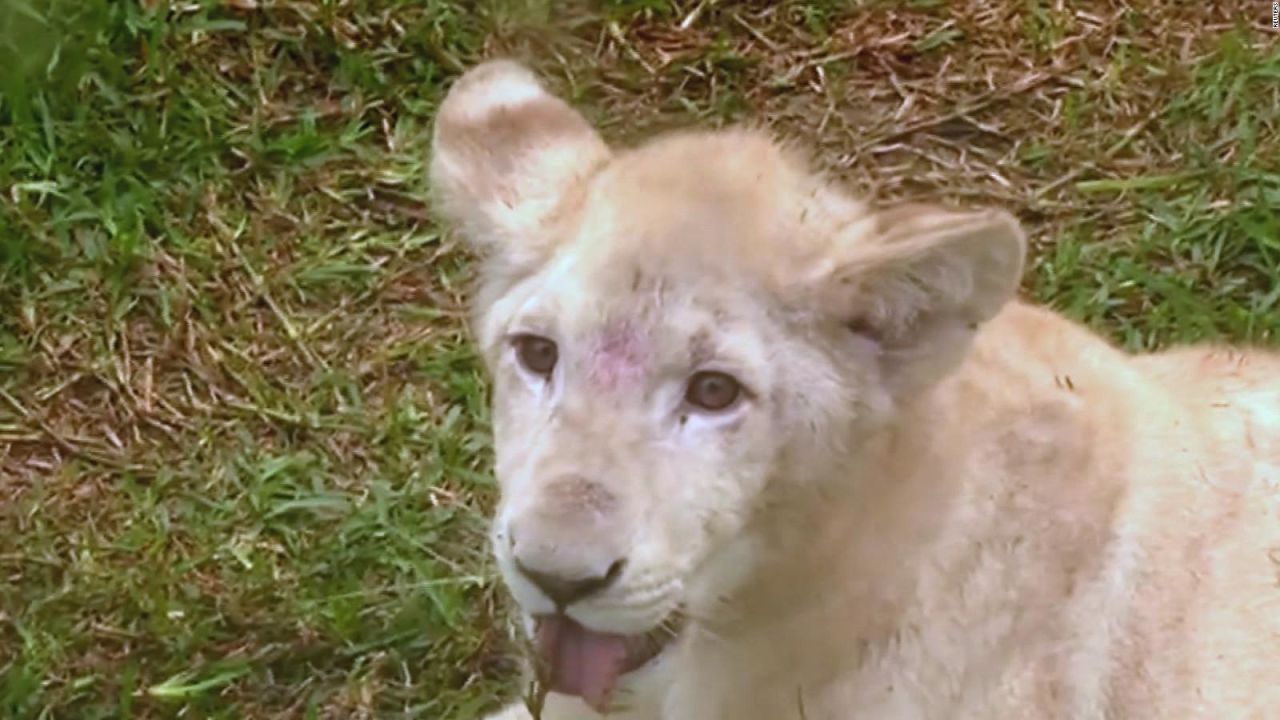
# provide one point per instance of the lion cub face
(678, 335)
(637, 415)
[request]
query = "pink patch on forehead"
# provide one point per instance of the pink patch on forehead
(617, 358)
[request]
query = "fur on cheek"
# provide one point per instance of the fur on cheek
(722, 573)
(833, 399)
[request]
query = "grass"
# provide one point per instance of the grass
(243, 438)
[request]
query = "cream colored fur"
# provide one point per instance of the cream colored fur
(939, 502)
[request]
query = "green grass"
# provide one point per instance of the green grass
(244, 454)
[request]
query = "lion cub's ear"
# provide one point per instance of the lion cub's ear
(920, 279)
(507, 157)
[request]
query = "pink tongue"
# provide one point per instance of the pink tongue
(581, 662)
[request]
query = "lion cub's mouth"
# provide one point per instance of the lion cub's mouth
(575, 660)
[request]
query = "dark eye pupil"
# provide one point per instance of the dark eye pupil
(537, 354)
(713, 390)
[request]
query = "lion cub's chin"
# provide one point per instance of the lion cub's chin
(575, 660)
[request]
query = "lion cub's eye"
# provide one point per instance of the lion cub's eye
(537, 354)
(712, 390)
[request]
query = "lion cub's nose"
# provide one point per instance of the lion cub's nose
(570, 541)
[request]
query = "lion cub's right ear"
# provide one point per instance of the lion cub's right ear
(507, 157)
(919, 280)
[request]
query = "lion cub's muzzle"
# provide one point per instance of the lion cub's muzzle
(566, 548)
(570, 540)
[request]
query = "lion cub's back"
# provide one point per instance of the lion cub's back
(1231, 552)
(1195, 631)
(1234, 392)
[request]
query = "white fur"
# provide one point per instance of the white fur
(936, 501)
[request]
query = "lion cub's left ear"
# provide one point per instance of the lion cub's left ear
(920, 280)
(507, 156)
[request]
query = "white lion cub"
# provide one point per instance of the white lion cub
(767, 453)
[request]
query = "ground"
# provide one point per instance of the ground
(244, 453)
